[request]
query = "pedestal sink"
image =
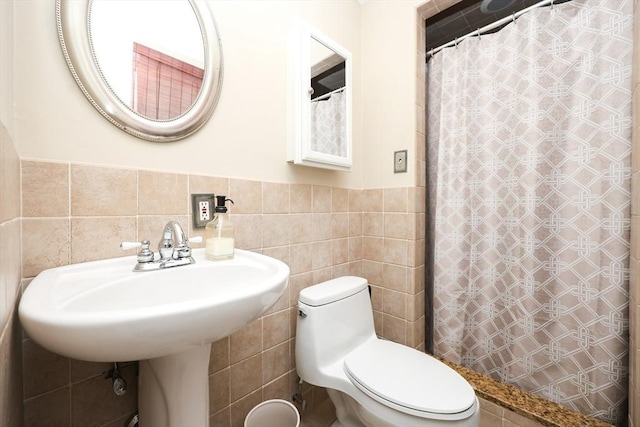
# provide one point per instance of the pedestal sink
(102, 311)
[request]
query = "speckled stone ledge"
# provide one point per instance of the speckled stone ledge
(524, 403)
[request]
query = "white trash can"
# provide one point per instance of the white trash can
(273, 413)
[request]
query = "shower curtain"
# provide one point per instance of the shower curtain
(528, 148)
(328, 125)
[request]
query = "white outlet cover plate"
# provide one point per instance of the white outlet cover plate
(400, 161)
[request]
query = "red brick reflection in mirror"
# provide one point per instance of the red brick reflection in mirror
(164, 87)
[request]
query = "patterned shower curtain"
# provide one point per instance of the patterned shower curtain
(529, 132)
(328, 125)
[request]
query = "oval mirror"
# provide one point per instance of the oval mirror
(152, 68)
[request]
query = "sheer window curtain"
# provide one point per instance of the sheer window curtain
(529, 148)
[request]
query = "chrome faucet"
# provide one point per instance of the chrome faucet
(173, 243)
(173, 249)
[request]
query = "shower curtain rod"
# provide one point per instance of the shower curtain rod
(489, 27)
(328, 94)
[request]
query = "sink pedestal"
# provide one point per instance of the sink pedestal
(174, 390)
(102, 311)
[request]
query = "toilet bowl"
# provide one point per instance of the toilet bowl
(373, 382)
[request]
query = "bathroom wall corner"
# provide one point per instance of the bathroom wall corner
(11, 409)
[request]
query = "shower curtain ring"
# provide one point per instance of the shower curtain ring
(478, 31)
(456, 42)
(513, 17)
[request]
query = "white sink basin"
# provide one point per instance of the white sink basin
(102, 311)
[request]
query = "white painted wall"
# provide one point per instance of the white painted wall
(6, 65)
(389, 55)
(246, 136)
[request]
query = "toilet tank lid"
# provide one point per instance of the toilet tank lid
(332, 290)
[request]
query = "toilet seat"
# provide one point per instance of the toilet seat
(408, 380)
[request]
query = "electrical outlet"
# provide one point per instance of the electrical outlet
(204, 210)
(400, 161)
(202, 206)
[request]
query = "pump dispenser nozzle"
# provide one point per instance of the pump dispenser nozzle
(221, 203)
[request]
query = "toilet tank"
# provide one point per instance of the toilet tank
(334, 318)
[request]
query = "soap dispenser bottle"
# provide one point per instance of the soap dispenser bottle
(219, 233)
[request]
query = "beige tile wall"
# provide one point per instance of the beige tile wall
(10, 335)
(492, 415)
(393, 261)
(74, 213)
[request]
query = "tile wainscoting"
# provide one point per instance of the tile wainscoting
(77, 212)
(10, 334)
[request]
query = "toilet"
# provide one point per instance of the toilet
(373, 382)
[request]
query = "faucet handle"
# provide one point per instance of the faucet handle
(129, 245)
(184, 251)
(145, 254)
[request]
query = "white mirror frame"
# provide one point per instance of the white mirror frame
(299, 138)
(72, 19)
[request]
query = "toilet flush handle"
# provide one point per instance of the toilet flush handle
(301, 312)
